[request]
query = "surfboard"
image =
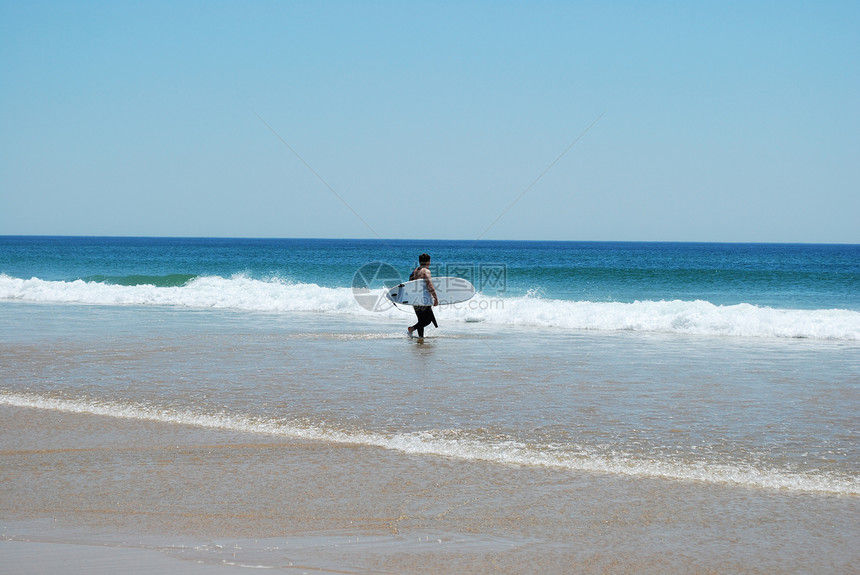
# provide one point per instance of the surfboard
(448, 290)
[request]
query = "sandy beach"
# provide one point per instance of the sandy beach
(83, 493)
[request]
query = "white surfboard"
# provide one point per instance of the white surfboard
(448, 290)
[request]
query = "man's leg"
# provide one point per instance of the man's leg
(424, 320)
(417, 325)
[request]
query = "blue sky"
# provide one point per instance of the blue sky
(723, 121)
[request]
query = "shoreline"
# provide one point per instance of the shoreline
(184, 495)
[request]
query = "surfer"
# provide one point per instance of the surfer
(424, 312)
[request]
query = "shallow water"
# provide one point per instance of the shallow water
(769, 414)
(88, 485)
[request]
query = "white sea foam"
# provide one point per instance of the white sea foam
(687, 317)
(242, 293)
(451, 445)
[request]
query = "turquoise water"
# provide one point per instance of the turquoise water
(727, 364)
(782, 276)
(795, 290)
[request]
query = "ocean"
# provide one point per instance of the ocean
(721, 381)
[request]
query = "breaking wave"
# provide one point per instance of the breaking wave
(240, 292)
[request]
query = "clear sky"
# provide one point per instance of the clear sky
(715, 121)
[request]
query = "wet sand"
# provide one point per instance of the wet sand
(82, 493)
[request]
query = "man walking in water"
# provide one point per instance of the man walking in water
(424, 312)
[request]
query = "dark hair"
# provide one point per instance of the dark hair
(423, 258)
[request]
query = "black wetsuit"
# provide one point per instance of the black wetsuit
(425, 318)
(425, 315)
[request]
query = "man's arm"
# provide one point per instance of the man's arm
(431, 289)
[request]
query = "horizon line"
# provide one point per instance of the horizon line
(277, 238)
